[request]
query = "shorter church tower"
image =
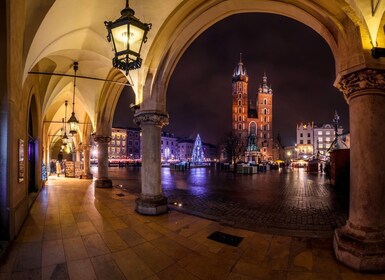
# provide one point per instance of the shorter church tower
(265, 119)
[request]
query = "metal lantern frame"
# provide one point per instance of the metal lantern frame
(127, 53)
(73, 121)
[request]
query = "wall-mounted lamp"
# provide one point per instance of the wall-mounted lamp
(127, 35)
(378, 52)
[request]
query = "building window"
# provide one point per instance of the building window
(308, 141)
(129, 143)
(319, 132)
(265, 111)
(240, 118)
(124, 143)
(301, 141)
(301, 135)
(117, 143)
(327, 139)
(240, 127)
(240, 95)
(308, 135)
(265, 101)
(320, 145)
(239, 103)
(240, 110)
(320, 139)
(327, 132)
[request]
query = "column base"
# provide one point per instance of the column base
(103, 183)
(362, 249)
(151, 205)
(86, 176)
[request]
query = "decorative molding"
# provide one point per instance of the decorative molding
(366, 79)
(102, 139)
(155, 118)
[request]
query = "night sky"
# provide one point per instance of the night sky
(298, 63)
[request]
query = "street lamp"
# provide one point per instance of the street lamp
(127, 35)
(73, 122)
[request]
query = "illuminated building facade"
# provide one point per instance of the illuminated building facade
(252, 118)
(117, 145)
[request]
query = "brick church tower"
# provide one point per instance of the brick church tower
(252, 118)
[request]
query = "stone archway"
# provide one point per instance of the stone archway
(361, 243)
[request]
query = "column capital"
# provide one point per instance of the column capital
(362, 81)
(102, 139)
(151, 117)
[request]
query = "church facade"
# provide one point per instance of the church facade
(252, 117)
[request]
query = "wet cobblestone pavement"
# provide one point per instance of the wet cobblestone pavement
(289, 202)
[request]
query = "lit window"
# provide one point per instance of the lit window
(319, 132)
(327, 132)
(320, 139)
(327, 139)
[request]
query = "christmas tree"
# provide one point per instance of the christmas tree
(198, 153)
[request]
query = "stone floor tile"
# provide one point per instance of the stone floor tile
(116, 223)
(130, 236)
(176, 273)
(301, 256)
(158, 227)
(55, 272)
(33, 234)
(203, 267)
(257, 271)
(153, 257)
(69, 230)
(131, 265)
(52, 218)
(95, 245)
(297, 275)
(52, 253)
(362, 276)
(147, 232)
(106, 268)
(7, 264)
(74, 249)
(237, 276)
(325, 261)
(171, 248)
(33, 274)
(113, 241)
(67, 218)
(28, 256)
(86, 228)
(5, 275)
(81, 269)
(188, 243)
(52, 232)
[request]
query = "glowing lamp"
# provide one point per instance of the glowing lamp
(127, 35)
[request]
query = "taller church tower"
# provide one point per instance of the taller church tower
(240, 101)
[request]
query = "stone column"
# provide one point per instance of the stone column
(86, 171)
(102, 180)
(360, 244)
(151, 201)
(78, 150)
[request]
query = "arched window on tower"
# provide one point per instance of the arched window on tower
(240, 127)
(265, 111)
(240, 103)
(240, 110)
(265, 101)
(240, 118)
(240, 95)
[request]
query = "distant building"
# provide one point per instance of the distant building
(304, 145)
(133, 144)
(324, 135)
(117, 146)
(314, 140)
(168, 146)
